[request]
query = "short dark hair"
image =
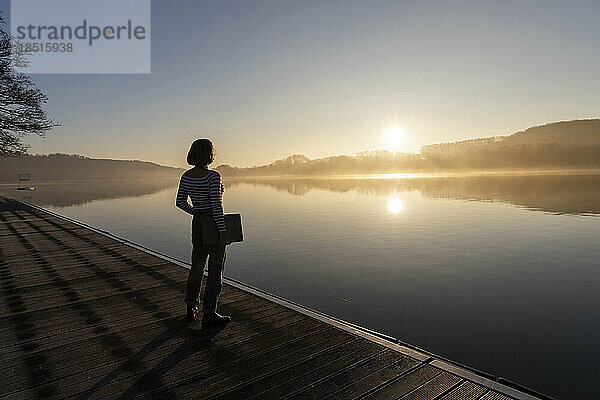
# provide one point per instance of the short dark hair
(202, 152)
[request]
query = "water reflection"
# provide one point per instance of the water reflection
(556, 194)
(66, 194)
(395, 205)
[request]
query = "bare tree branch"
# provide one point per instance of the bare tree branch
(21, 103)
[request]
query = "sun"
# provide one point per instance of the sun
(394, 138)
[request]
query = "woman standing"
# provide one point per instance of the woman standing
(203, 186)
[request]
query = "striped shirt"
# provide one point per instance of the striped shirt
(206, 194)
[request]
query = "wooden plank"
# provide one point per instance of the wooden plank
(405, 384)
(85, 317)
(465, 391)
(49, 342)
(491, 395)
(329, 379)
(205, 367)
(303, 374)
(164, 351)
(91, 352)
(376, 379)
(95, 347)
(433, 388)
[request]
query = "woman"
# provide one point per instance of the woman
(205, 189)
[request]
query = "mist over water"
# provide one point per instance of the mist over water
(500, 273)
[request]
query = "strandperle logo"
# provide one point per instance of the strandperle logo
(85, 31)
(80, 36)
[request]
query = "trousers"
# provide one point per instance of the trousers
(216, 264)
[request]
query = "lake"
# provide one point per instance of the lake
(501, 273)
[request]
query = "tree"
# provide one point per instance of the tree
(21, 104)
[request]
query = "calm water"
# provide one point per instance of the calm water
(499, 273)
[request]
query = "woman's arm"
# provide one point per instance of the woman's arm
(216, 201)
(181, 201)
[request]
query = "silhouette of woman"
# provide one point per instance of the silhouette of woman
(203, 186)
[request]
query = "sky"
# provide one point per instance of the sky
(267, 79)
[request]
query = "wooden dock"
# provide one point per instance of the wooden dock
(84, 315)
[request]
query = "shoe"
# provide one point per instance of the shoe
(214, 320)
(192, 313)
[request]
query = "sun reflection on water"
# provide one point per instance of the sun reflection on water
(395, 205)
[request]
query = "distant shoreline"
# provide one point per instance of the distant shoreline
(51, 181)
(408, 175)
(373, 176)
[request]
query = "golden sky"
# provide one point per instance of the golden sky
(268, 79)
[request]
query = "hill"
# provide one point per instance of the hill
(72, 167)
(577, 132)
(567, 144)
(583, 132)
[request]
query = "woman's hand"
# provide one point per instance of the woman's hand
(224, 238)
